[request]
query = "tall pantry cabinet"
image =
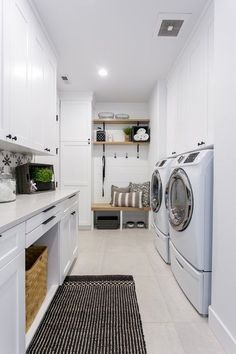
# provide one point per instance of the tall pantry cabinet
(75, 151)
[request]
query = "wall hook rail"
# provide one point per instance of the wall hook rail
(137, 151)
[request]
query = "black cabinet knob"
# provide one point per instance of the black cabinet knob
(201, 143)
(174, 152)
(8, 136)
(14, 138)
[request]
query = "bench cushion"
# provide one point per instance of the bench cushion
(133, 199)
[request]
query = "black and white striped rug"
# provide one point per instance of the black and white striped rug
(92, 315)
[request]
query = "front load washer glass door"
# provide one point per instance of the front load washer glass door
(180, 200)
(156, 191)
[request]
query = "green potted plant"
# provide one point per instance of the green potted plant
(127, 132)
(43, 178)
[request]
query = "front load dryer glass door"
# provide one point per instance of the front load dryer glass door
(156, 191)
(180, 200)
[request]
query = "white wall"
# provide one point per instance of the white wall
(157, 114)
(189, 85)
(121, 170)
(223, 308)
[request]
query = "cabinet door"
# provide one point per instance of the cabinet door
(172, 110)
(75, 121)
(16, 70)
(12, 306)
(198, 93)
(74, 232)
(65, 257)
(50, 123)
(76, 172)
(4, 129)
(37, 101)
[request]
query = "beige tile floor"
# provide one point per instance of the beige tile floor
(170, 323)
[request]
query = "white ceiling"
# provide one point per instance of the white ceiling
(118, 35)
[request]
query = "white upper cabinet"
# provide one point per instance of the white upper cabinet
(3, 128)
(36, 91)
(75, 121)
(50, 123)
(29, 80)
(189, 92)
(16, 71)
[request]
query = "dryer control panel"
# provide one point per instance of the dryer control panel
(192, 157)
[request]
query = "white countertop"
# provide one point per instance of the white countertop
(28, 205)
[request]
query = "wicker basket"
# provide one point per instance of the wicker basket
(35, 281)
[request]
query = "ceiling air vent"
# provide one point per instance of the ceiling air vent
(170, 28)
(65, 78)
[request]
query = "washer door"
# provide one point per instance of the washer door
(156, 191)
(180, 200)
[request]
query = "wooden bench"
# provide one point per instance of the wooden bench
(108, 207)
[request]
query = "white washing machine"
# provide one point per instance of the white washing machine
(160, 224)
(189, 201)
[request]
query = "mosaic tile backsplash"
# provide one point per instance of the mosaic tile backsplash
(13, 159)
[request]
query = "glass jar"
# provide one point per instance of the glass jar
(7, 186)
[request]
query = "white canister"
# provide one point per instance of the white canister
(7, 186)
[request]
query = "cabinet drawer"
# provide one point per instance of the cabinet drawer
(38, 219)
(12, 242)
(70, 201)
(34, 235)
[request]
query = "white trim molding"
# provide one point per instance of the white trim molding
(222, 333)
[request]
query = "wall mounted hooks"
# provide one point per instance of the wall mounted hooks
(137, 151)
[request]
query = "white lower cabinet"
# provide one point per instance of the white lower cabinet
(74, 231)
(55, 227)
(12, 306)
(65, 246)
(69, 239)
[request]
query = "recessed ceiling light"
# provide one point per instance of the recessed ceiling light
(102, 72)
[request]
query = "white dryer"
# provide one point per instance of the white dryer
(189, 201)
(160, 224)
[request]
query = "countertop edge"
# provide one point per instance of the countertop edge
(29, 215)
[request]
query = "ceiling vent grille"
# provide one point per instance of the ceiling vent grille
(65, 78)
(170, 28)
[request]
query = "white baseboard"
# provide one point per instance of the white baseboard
(222, 333)
(85, 227)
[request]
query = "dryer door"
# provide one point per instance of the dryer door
(156, 191)
(180, 200)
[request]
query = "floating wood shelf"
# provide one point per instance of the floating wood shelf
(119, 142)
(121, 121)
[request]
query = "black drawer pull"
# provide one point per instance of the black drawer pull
(73, 213)
(48, 220)
(0, 236)
(46, 210)
(72, 196)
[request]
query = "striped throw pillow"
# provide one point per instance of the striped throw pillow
(132, 199)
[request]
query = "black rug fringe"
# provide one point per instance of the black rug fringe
(88, 278)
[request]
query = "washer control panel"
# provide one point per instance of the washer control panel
(180, 159)
(192, 157)
(162, 163)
